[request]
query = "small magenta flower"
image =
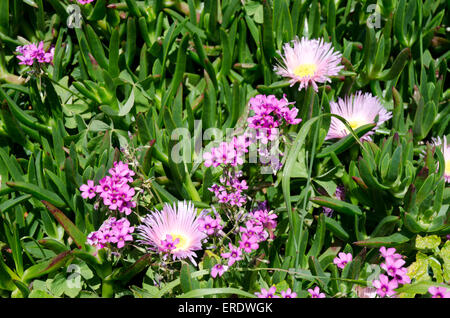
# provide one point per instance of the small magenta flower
(251, 228)
(233, 255)
(208, 225)
(384, 286)
(392, 265)
(88, 190)
(343, 259)
(218, 269)
(122, 236)
(439, 292)
(389, 253)
(169, 244)
(248, 243)
(84, 1)
(288, 294)
(401, 276)
(267, 293)
(315, 293)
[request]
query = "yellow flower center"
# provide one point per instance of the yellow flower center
(447, 167)
(356, 123)
(182, 244)
(305, 70)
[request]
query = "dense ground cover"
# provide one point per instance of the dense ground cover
(276, 148)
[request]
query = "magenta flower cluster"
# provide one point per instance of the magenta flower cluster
(210, 225)
(114, 190)
(270, 293)
(393, 266)
(263, 217)
(270, 113)
(257, 227)
(228, 153)
(230, 191)
(112, 231)
(30, 53)
(258, 224)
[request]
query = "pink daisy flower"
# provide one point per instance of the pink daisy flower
(181, 223)
(445, 148)
(359, 110)
(309, 62)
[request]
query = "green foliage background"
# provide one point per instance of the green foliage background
(145, 68)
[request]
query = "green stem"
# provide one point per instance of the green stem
(107, 288)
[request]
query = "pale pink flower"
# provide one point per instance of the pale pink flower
(181, 222)
(309, 62)
(445, 148)
(359, 110)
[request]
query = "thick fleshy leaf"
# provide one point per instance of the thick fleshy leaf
(337, 205)
(37, 192)
(196, 293)
(388, 241)
(46, 267)
(78, 237)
